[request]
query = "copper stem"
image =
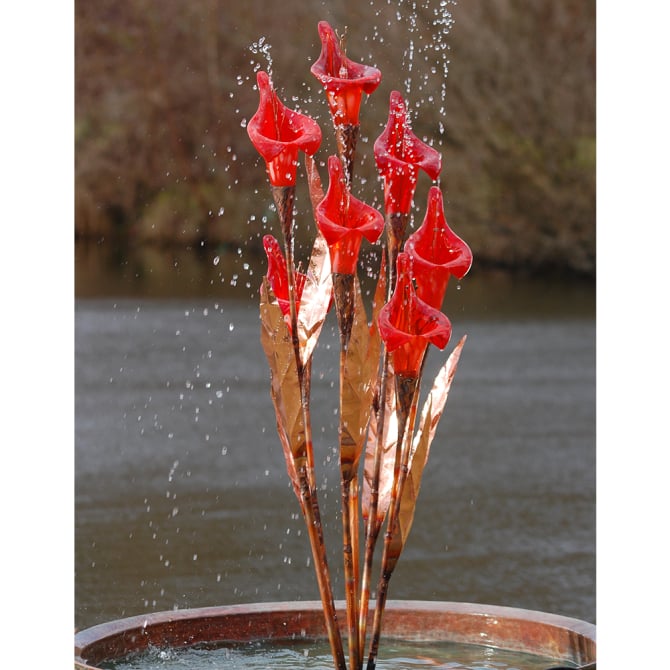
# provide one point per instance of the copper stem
(349, 579)
(373, 527)
(343, 291)
(346, 135)
(310, 509)
(396, 225)
(407, 395)
(284, 198)
(315, 529)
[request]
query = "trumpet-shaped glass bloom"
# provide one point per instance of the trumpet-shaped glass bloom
(399, 155)
(344, 81)
(278, 133)
(407, 324)
(344, 221)
(437, 252)
(278, 277)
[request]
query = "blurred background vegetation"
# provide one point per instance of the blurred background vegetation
(505, 89)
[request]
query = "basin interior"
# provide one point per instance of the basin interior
(554, 636)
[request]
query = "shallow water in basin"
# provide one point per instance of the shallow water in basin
(315, 656)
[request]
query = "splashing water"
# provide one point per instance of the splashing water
(426, 27)
(262, 48)
(434, 51)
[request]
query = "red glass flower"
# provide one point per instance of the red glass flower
(278, 277)
(437, 252)
(278, 133)
(344, 221)
(407, 324)
(399, 155)
(344, 81)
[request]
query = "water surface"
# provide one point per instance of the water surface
(182, 498)
(397, 655)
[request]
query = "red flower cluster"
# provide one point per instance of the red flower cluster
(411, 320)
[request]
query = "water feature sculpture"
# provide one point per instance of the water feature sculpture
(381, 360)
(386, 425)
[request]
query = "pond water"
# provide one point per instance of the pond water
(182, 498)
